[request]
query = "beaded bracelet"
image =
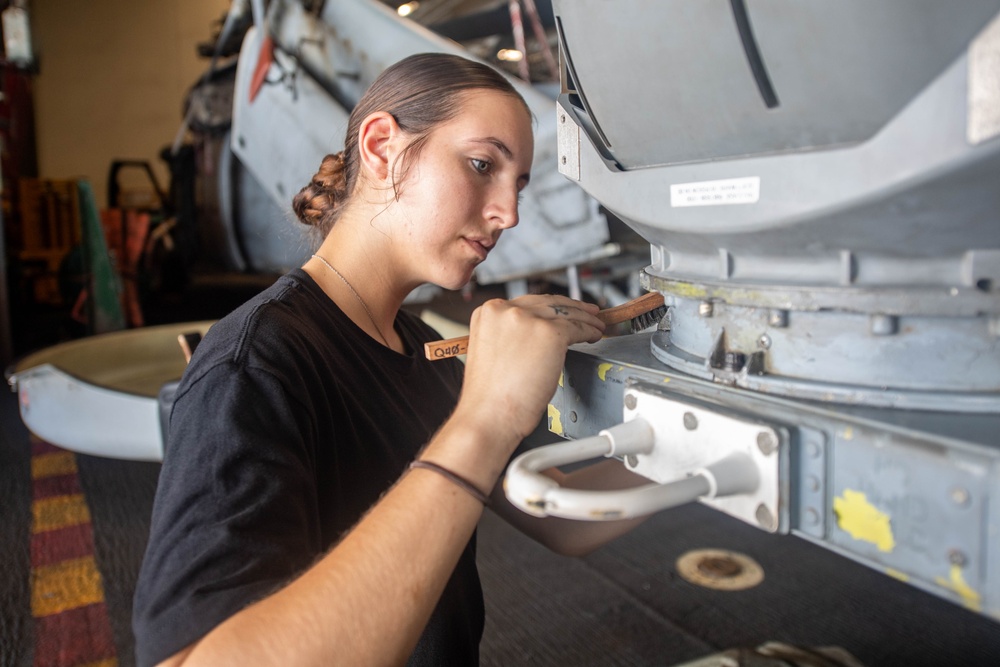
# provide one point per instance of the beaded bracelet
(461, 482)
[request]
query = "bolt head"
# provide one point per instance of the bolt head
(631, 461)
(630, 401)
(957, 557)
(764, 517)
(766, 443)
(764, 342)
(690, 421)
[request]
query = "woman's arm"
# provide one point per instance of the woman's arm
(366, 601)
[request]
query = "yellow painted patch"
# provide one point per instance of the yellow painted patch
(555, 420)
(67, 585)
(602, 371)
(688, 290)
(896, 574)
(110, 662)
(560, 379)
(59, 512)
(51, 465)
(863, 521)
(956, 582)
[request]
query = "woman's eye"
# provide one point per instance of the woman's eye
(481, 166)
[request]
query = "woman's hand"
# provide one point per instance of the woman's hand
(516, 352)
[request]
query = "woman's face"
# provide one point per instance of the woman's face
(462, 190)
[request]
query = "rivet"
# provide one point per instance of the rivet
(764, 342)
(630, 401)
(812, 483)
(815, 451)
(690, 421)
(563, 159)
(766, 443)
(572, 416)
(562, 118)
(812, 516)
(631, 461)
(960, 496)
(957, 557)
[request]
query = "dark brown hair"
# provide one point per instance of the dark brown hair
(420, 92)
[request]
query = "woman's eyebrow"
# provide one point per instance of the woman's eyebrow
(501, 146)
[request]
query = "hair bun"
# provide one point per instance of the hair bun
(316, 202)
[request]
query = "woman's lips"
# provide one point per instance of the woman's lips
(479, 247)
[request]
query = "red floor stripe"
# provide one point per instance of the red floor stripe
(60, 485)
(41, 447)
(74, 637)
(55, 546)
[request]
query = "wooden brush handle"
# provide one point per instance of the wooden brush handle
(453, 347)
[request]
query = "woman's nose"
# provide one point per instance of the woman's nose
(505, 208)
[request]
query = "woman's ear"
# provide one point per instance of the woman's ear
(377, 143)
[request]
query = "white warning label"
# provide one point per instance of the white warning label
(716, 193)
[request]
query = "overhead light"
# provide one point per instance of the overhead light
(408, 8)
(510, 55)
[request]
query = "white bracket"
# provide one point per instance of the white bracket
(691, 451)
(690, 435)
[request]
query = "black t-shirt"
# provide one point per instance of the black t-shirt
(288, 424)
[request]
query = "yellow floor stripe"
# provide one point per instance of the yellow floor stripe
(59, 512)
(50, 465)
(66, 585)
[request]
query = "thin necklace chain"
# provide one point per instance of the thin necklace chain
(356, 296)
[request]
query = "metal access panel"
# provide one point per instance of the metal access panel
(910, 493)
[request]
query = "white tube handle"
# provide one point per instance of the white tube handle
(539, 495)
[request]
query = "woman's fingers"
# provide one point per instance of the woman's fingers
(516, 352)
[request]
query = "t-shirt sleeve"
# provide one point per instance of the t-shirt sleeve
(235, 513)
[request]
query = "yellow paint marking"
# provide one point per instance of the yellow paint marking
(51, 465)
(970, 598)
(110, 662)
(555, 420)
(863, 521)
(560, 379)
(67, 585)
(602, 371)
(59, 512)
(896, 574)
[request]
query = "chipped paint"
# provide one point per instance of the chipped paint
(956, 582)
(896, 574)
(602, 371)
(555, 420)
(561, 376)
(863, 521)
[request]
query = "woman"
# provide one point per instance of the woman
(290, 526)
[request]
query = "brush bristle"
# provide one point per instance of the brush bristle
(647, 320)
